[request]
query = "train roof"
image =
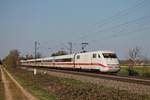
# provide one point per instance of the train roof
(66, 56)
(104, 51)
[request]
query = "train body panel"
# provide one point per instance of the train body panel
(104, 61)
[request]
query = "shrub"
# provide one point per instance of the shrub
(132, 72)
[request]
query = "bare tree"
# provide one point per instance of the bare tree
(29, 56)
(134, 56)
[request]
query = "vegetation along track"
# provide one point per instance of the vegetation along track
(131, 87)
(104, 76)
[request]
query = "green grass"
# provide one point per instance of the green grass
(143, 71)
(123, 71)
(139, 70)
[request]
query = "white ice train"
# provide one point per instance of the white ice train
(104, 61)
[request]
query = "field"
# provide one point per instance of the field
(140, 71)
(48, 87)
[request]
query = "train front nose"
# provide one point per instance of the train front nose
(114, 67)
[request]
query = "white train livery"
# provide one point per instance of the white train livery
(104, 61)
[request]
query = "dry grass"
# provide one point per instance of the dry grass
(2, 95)
(16, 92)
(28, 81)
(69, 89)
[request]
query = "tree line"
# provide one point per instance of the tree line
(135, 57)
(14, 57)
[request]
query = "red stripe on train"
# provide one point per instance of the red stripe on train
(96, 64)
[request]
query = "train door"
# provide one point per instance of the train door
(77, 61)
(96, 60)
(80, 61)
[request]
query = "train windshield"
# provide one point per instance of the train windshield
(109, 55)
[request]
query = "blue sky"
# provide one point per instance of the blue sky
(117, 25)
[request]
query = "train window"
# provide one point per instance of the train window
(78, 56)
(99, 56)
(94, 55)
(47, 60)
(63, 60)
(67, 60)
(109, 55)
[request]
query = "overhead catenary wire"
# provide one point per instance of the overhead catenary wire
(113, 18)
(121, 25)
(120, 32)
(102, 26)
(124, 34)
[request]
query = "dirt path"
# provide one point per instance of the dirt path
(8, 95)
(13, 90)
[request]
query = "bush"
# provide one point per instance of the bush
(132, 72)
(12, 60)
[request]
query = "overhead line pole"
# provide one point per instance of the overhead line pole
(35, 45)
(35, 48)
(70, 44)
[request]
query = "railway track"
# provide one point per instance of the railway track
(103, 76)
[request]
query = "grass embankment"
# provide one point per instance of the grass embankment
(141, 71)
(69, 89)
(28, 81)
(2, 91)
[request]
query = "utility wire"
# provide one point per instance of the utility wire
(120, 14)
(118, 26)
(126, 33)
